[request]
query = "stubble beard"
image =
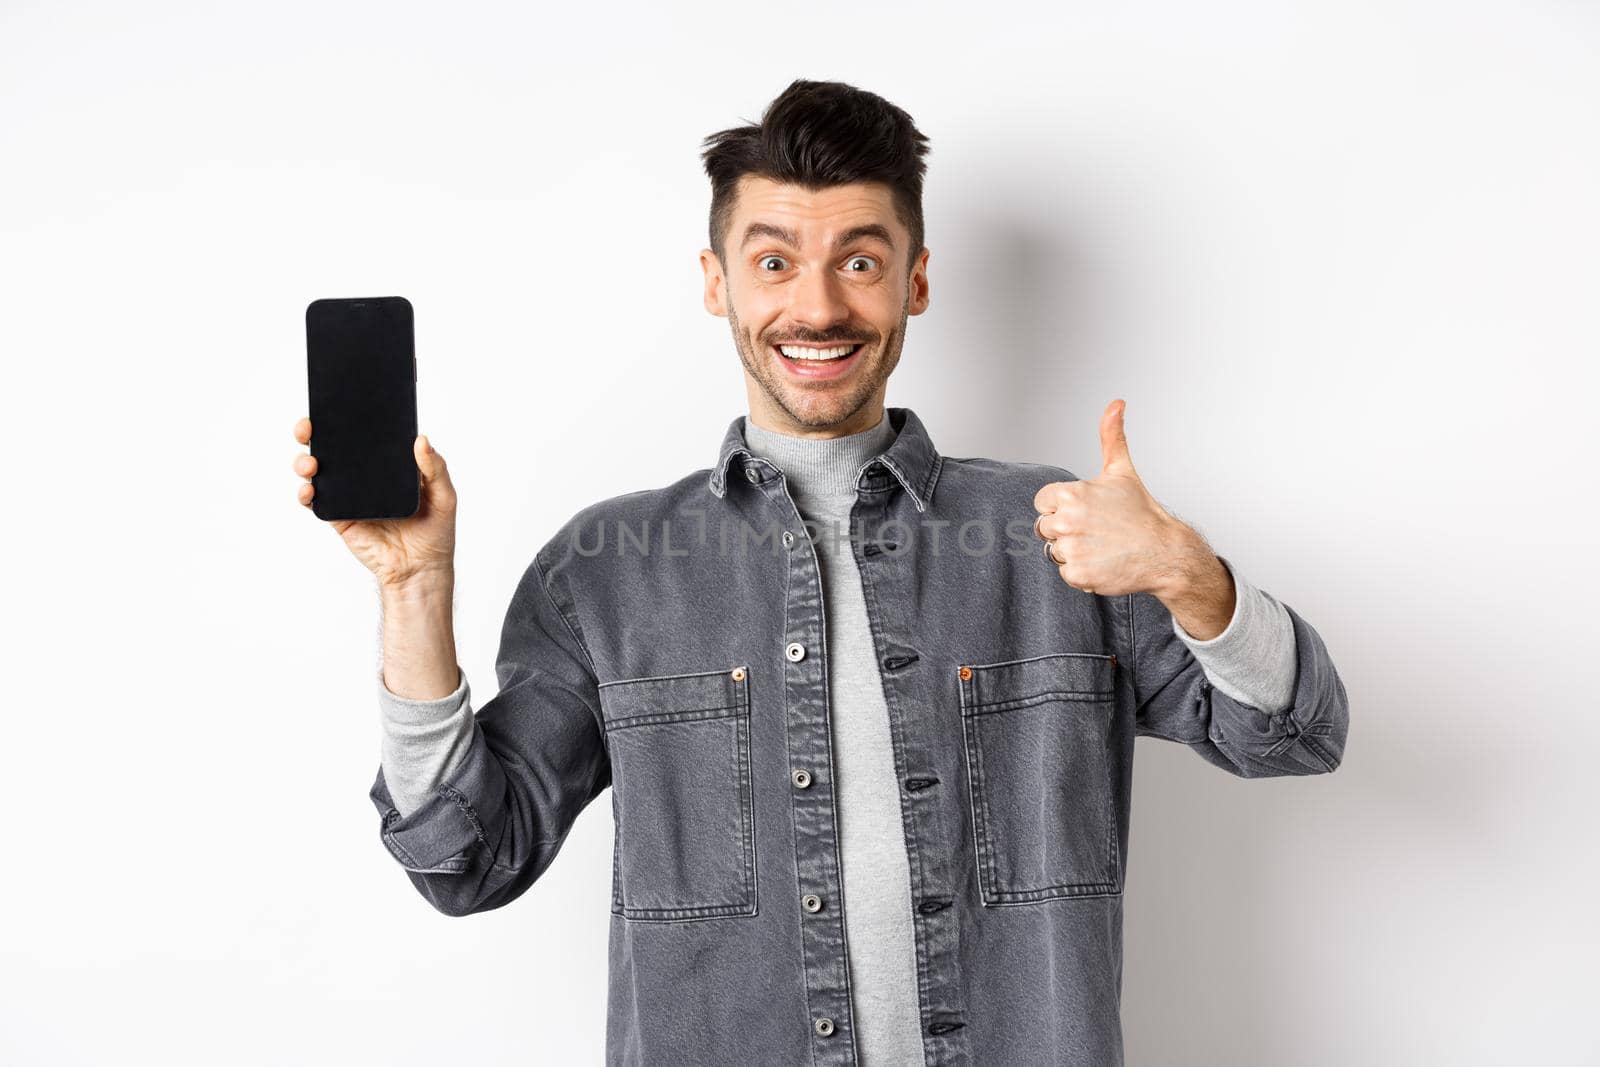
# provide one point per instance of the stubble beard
(836, 408)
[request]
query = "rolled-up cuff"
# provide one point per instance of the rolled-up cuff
(460, 814)
(1307, 736)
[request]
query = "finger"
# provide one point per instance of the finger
(1053, 525)
(302, 430)
(1059, 556)
(1114, 439)
(305, 465)
(1052, 496)
(307, 491)
(1078, 583)
(1071, 572)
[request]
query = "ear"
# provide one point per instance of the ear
(716, 294)
(919, 285)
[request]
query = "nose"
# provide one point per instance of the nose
(817, 300)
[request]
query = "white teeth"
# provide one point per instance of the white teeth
(799, 352)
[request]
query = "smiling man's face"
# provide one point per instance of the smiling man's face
(822, 276)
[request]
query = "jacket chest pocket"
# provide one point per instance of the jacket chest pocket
(1038, 744)
(680, 760)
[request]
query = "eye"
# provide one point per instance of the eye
(870, 261)
(764, 260)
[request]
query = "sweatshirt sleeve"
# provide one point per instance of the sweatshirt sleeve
(1253, 659)
(423, 741)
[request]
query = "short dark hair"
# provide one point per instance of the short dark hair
(821, 134)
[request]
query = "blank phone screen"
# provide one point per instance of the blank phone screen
(361, 370)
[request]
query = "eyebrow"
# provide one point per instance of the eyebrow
(788, 236)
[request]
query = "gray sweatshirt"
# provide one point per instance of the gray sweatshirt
(1252, 660)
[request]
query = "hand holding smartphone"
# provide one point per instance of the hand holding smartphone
(381, 487)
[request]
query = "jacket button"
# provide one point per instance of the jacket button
(801, 777)
(965, 673)
(796, 652)
(811, 902)
(824, 1026)
(752, 475)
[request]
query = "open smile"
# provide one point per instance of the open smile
(818, 361)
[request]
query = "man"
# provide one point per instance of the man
(870, 752)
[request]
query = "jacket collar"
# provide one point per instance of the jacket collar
(910, 457)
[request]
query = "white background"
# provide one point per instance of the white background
(1340, 259)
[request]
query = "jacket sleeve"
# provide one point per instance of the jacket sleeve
(535, 759)
(1177, 701)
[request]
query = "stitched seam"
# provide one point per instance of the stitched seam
(686, 715)
(933, 477)
(594, 713)
(1067, 890)
(747, 790)
(1036, 659)
(1049, 696)
(1133, 652)
(461, 802)
(980, 783)
(662, 677)
(916, 497)
(394, 843)
(972, 796)
(543, 588)
(1316, 749)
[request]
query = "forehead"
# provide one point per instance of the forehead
(814, 214)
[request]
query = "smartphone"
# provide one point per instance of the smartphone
(361, 368)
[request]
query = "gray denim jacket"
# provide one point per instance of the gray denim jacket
(669, 643)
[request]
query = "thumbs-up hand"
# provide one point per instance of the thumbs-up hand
(1107, 535)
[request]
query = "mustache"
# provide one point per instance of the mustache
(827, 337)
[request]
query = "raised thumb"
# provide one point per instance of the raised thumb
(1114, 439)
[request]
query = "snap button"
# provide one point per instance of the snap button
(801, 777)
(752, 475)
(737, 674)
(795, 651)
(788, 539)
(824, 1026)
(811, 902)
(965, 673)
